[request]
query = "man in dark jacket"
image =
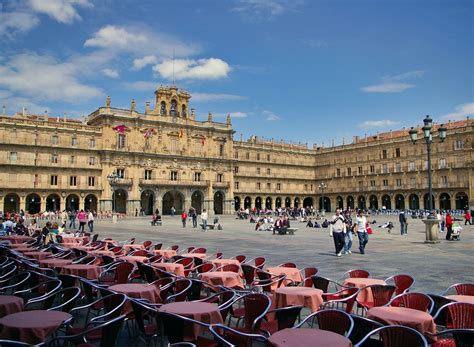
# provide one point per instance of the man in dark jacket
(403, 223)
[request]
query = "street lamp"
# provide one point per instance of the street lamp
(113, 179)
(322, 186)
(428, 136)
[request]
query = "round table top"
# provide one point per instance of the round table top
(10, 299)
(80, 266)
(189, 308)
(194, 255)
(132, 287)
(36, 319)
(220, 274)
(37, 253)
(303, 337)
(55, 261)
(362, 282)
(298, 291)
(462, 298)
(399, 314)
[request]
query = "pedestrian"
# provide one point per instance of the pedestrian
(348, 235)
(336, 230)
(173, 211)
(72, 219)
(90, 221)
(194, 217)
(184, 217)
(403, 223)
(449, 226)
(82, 216)
(362, 231)
(467, 218)
(204, 219)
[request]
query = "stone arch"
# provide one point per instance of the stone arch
(72, 202)
(258, 203)
(297, 202)
(308, 202)
(287, 201)
(219, 202)
(147, 202)
(361, 203)
(33, 203)
(339, 202)
(278, 202)
(386, 202)
(163, 108)
(53, 202)
(119, 201)
(268, 203)
(462, 201)
(11, 203)
(350, 202)
(373, 202)
(414, 202)
(399, 202)
(247, 202)
(444, 201)
(237, 203)
(426, 202)
(197, 200)
(90, 202)
(173, 107)
(173, 198)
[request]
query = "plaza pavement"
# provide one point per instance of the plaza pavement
(434, 266)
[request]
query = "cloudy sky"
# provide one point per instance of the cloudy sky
(301, 70)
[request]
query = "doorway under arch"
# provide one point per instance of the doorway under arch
(308, 202)
(33, 204)
(361, 204)
(72, 202)
(445, 201)
(386, 202)
(197, 201)
(237, 203)
(11, 203)
(462, 201)
(278, 202)
(373, 202)
(339, 202)
(327, 204)
(147, 201)
(218, 202)
(90, 203)
(399, 202)
(426, 202)
(268, 203)
(174, 199)
(258, 203)
(287, 202)
(350, 202)
(297, 202)
(53, 202)
(247, 202)
(414, 202)
(119, 201)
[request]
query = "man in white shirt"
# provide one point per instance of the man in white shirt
(204, 219)
(362, 231)
(90, 221)
(338, 228)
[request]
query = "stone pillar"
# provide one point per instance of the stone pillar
(158, 203)
(23, 202)
(187, 203)
(104, 205)
(132, 206)
(432, 230)
(82, 203)
(62, 204)
(229, 207)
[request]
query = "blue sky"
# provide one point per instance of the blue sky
(300, 70)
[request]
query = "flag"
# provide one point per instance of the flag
(120, 129)
(149, 133)
(203, 139)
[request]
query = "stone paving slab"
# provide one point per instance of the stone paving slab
(434, 266)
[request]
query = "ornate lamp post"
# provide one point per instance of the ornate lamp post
(322, 186)
(113, 178)
(431, 223)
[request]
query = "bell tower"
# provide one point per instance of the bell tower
(171, 102)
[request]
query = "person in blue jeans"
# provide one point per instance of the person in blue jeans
(362, 231)
(348, 235)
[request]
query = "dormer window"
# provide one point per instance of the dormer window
(163, 108)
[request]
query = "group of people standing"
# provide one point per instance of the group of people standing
(342, 230)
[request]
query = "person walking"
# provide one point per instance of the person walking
(82, 216)
(90, 221)
(449, 226)
(72, 219)
(336, 230)
(403, 223)
(467, 218)
(348, 235)
(173, 211)
(204, 219)
(194, 217)
(362, 231)
(184, 217)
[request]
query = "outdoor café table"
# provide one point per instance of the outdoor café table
(103, 252)
(132, 247)
(55, 263)
(37, 255)
(222, 262)
(366, 294)
(201, 311)
(304, 337)
(177, 269)
(10, 304)
(290, 272)
(462, 298)
(298, 296)
(15, 239)
(388, 315)
(74, 239)
(137, 291)
(195, 255)
(223, 278)
(77, 246)
(22, 248)
(91, 272)
(134, 259)
(167, 253)
(32, 327)
(20, 245)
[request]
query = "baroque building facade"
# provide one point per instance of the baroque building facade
(164, 158)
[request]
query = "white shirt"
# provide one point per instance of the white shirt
(204, 216)
(90, 216)
(361, 223)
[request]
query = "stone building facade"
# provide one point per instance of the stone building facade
(166, 158)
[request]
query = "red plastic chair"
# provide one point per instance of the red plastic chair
(396, 336)
(342, 300)
(266, 281)
(139, 253)
(188, 264)
(199, 250)
(255, 307)
(156, 259)
(158, 246)
(119, 273)
(280, 318)
(381, 295)
(230, 267)
(453, 338)
(132, 241)
(190, 249)
(337, 321)
(174, 247)
(205, 267)
(291, 265)
(219, 255)
(240, 258)
(402, 282)
(250, 273)
(181, 288)
(461, 289)
(147, 244)
(307, 273)
(229, 337)
(416, 301)
(354, 273)
(117, 250)
(460, 315)
(259, 262)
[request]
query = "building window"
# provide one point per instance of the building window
(385, 183)
(148, 174)
(384, 168)
(349, 171)
(247, 155)
(444, 180)
(236, 155)
(372, 183)
(120, 141)
(268, 157)
(54, 180)
(74, 141)
(397, 152)
(413, 182)
(338, 172)
(121, 173)
(426, 165)
(220, 178)
(411, 166)
(92, 143)
(197, 177)
(174, 145)
(268, 171)
(174, 175)
(258, 171)
(54, 139)
(398, 167)
(236, 185)
(268, 186)
(361, 184)
(91, 181)
(399, 182)
(359, 170)
(221, 150)
(305, 187)
(91, 160)
(442, 163)
(54, 158)
(258, 156)
(13, 156)
(278, 186)
(458, 144)
(372, 168)
(236, 169)
(258, 185)
(311, 187)
(72, 181)
(384, 154)
(72, 159)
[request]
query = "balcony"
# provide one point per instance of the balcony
(220, 184)
(162, 182)
(121, 182)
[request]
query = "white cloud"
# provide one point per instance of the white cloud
(12, 23)
(270, 116)
(394, 83)
(111, 36)
(63, 11)
(461, 112)
(15, 104)
(201, 69)
(265, 10)
(382, 123)
(140, 63)
(42, 77)
(112, 73)
(236, 114)
(205, 97)
(141, 85)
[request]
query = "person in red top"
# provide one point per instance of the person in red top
(184, 217)
(449, 226)
(467, 217)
